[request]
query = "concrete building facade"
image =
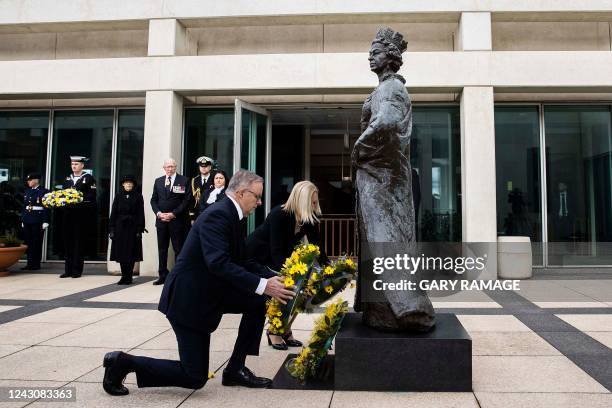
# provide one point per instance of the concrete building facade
(512, 104)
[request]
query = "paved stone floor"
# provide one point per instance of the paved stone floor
(548, 345)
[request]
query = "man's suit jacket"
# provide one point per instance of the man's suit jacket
(211, 266)
(174, 200)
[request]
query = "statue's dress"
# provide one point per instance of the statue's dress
(385, 209)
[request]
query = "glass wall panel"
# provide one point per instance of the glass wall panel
(209, 132)
(86, 133)
(579, 184)
(435, 157)
(130, 139)
(23, 149)
(253, 154)
(517, 167)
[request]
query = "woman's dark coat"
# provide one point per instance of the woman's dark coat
(203, 204)
(126, 225)
(274, 240)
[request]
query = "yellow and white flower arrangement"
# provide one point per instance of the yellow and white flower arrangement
(295, 271)
(62, 198)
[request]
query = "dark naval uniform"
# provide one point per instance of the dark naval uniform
(199, 187)
(33, 216)
(77, 219)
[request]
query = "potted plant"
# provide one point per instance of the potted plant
(11, 249)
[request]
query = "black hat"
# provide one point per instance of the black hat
(81, 159)
(33, 176)
(129, 178)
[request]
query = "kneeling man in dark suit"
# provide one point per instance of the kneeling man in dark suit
(211, 277)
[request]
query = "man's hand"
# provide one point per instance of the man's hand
(276, 288)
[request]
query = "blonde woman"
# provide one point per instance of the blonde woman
(286, 226)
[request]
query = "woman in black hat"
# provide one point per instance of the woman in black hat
(126, 225)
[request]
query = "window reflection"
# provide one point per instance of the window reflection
(23, 149)
(517, 167)
(579, 184)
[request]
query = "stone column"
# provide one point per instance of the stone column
(163, 130)
(478, 194)
(474, 33)
(168, 37)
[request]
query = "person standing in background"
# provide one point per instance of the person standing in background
(77, 218)
(126, 225)
(171, 196)
(34, 220)
(200, 185)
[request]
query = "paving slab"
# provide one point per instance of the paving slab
(510, 344)
(6, 349)
(592, 322)
(21, 384)
(215, 395)
(92, 395)
(531, 374)
(51, 363)
(345, 399)
(604, 338)
(503, 323)
(73, 315)
(33, 333)
(101, 334)
(543, 400)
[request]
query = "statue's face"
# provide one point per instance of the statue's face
(378, 57)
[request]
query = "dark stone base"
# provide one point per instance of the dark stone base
(284, 381)
(370, 360)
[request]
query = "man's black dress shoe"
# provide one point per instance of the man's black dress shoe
(160, 281)
(115, 369)
(245, 378)
(34, 268)
(65, 275)
(78, 275)
(26, 268)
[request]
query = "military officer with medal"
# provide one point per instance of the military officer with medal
(171, 196)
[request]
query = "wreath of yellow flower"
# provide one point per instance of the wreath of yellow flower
(307, 363)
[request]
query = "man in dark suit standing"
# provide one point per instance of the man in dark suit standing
(34, 220)
(169, 203)
(211, 277)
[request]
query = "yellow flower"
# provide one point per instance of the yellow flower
(329, 289)
(314, 276)
(350, 263)
(289, 281)
(328, 270)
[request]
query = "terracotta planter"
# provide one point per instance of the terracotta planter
(8, 256)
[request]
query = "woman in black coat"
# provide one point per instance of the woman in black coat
(212, 195)
(285, 227)
(126, 225)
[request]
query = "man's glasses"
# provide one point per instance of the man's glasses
(257, 196)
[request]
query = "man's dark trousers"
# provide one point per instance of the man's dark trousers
(169, 231)
(33, 235)
(192, 369)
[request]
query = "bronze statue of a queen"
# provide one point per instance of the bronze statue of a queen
(383, 180)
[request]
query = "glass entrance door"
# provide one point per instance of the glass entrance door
(252, 135)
